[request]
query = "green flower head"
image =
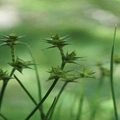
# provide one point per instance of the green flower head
(4, 75)
(71, 57)
(20, 64)
(11, 39)
(56, 72)
(87, 74)
(57, 41)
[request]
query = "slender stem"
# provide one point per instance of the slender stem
(2, 93)
(26, 91)
(5, 82)
(37, 75)
(58, 96)
(38, 81)
(111, 76)
(50, 109)
(12, 52)
(43, 99)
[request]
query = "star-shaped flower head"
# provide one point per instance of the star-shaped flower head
(87, 74)
(57, 41)
(20, 64)
(71, 57)
(56, 72)
(11, 39)
(4, 75)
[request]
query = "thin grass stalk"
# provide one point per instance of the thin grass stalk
(5, 82)
(12, 52)
(58, 111)
(58, 96)
(38, 81)
(50, 109)
(37, 75)
(111, 75)
(27, 92)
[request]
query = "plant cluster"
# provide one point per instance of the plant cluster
(56, 74)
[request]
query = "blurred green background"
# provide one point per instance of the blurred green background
(90, 24)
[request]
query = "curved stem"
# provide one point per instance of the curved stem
(111, 76)
(38, 81)
(50, 109)
(58, 96)
(2, 93)
(26, 91)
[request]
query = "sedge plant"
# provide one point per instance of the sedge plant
(58, 73)
(18, 64)
(111, 75)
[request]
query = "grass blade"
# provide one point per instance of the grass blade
(30, 96)
(58, 96)
(50, 109)
(38, 81)
(111, 75)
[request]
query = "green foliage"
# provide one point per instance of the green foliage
(57, 74)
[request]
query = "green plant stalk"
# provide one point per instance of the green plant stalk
(38, 81)
(58, 96)
(50, 89)
(3, 117)
(111, 75)
(50, 109)
(12, 52)
(4, 87)
(80, 104)
(26, 91)
(37, 75)
(6, 82)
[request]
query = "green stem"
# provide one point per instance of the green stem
(111, 76)
(38, 81)
(5, 82)
(12, 52)
(43, 99)
(26, 91)
(58, 96)
(50, 109)
(2, 93)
